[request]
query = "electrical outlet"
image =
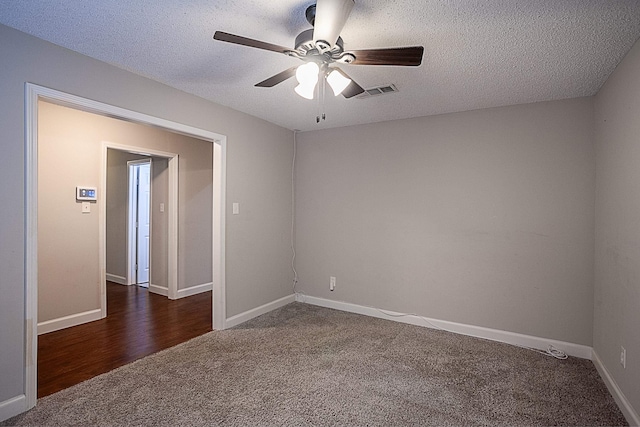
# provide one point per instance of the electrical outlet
(623, 357)
(332, 283)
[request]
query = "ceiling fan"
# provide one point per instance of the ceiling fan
(321, 47)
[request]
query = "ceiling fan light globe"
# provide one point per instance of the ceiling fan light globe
(307, 74)
(306, 90)
(338, 82)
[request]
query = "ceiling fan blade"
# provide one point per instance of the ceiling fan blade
(244, 41)
(278, 78)
(353, 89)
(331, 15)
(403, 56)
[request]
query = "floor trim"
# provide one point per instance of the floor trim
(160, 290)
(12, 407)
(623, 403)
(69, 321)
(258, 311)
(194, 290)
(116, 279)
(513, 338)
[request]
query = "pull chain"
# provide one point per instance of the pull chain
(324, 86)
(321, 90)
(319, 103)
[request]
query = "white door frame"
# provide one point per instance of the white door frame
(132, 217)
(172, 215)
(34, 93)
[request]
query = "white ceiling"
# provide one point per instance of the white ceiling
(478, 53)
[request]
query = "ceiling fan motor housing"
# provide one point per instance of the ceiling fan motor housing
(306, 47)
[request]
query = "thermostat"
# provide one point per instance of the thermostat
(87, 193)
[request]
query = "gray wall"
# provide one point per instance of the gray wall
(617, 259)
(483, 217)
(258, 176)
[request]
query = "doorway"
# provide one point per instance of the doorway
(156, 232)
(35, 93)
(139, 222)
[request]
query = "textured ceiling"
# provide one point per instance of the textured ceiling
(478, 53)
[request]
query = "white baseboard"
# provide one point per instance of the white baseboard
(12, 407)
(625, 406)
(160, 290)
(193, 290)
(69, 321)
(182, 293)
(258, 311)
(571, 349)
(116, 279)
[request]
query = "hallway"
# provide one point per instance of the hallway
(138, 323)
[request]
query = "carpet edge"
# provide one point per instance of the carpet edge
(513, 338)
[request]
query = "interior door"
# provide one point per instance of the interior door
(143, 223)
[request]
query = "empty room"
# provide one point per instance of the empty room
(392, 213)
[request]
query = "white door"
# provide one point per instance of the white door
(144, 224)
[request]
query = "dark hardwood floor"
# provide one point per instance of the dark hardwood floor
(138, 323)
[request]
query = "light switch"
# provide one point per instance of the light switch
(161, 207)
(86, 207)
(236, 208)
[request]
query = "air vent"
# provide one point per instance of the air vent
(380, 90)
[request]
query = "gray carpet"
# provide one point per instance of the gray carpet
(306, 365)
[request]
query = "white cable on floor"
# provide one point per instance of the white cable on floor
(293, 213)
(553, 352)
